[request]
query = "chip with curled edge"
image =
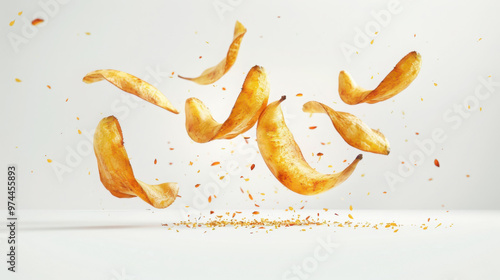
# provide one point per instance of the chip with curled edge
(116, 172)
(216, 72)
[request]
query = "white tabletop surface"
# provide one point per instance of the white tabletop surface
(123, 245)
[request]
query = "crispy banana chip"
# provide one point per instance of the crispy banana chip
(116, 172)
(211, 75)
(395, 82)
(285, 160)
(133, 85)
(201, 126)
(352, 129)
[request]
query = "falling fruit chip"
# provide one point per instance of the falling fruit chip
(396, 81)
(436, 162)
(201, 126)
(37, 21)
(213, 74)
(133, 85)
(116, 172)
(285, 160)
(352, 129)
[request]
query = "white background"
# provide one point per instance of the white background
(299, 44)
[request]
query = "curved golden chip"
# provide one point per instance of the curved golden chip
(116, 172)
(285, 160)
(352, 129)
(213, 74)
(395, 82)
(201, 126)
(133, 85)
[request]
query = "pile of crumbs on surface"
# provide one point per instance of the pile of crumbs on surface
(229, 220)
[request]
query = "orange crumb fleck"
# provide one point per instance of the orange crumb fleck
(345, 160)
(350, 207)
(312, 127)
(430, 179)
(467, 175)
(396, 230)
(79, 131)
(436, 162)
(221, 177)
(319, 154)
(299, 94)
(200, 57)
(255, 212)
(250, 196)
(190, 163)
(49, 160)
(37, 21)
(223, 88)
(87, 33)
(67, 99)
(211, 212)
(12, 23)
(252, 167)
(435, 84)
(241, 190)
(20, 13)
(156, 161)
(18, 80)
(384, 192)
(197, 185)
(209, 199)
(49, 87)
(215, 163)
(417, 133)
(371, 43)
(350, 216)
(428, 219)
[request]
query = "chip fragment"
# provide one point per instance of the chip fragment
(216, 72)
(395, 82)
(116, 172)
(133, 85)
(201, 126)
(354, 131)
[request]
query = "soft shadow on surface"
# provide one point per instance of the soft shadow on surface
(97, 227)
